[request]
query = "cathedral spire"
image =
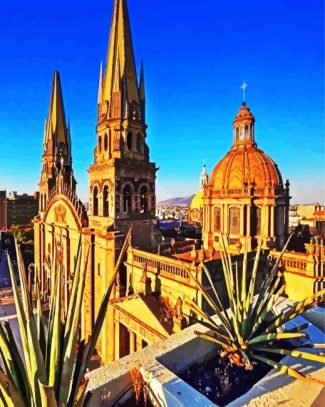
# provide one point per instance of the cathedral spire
(142, 93)
(120, 65)
(56, 159)
(100, 85)
(56, 129)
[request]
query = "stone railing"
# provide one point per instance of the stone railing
(155, 263)
(311, 263)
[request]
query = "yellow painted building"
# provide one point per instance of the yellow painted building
(245, 198)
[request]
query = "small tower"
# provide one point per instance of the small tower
(56, 158)
(244, 127)
(204, 178)
(122, 178)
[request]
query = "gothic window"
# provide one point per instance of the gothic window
(217, 217)
(127, 199)
(139, 143)
(144, 199)
(105, 142)
(234, 221)
(105, 201)
(95, 201)
(100, 144)
(129, 140)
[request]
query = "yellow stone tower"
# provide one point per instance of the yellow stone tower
(56, 158)
(122, 179)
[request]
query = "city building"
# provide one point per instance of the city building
(3, 210)
(245, 198)
(17, 209)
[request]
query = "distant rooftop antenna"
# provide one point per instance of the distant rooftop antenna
(243, 87)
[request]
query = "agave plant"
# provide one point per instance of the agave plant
(51, 371)
(249, 331)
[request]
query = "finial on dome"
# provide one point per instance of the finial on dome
(243, 87)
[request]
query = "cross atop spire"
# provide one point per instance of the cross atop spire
(120, 80)
(244, 87)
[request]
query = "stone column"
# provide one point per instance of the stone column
(117, 339)
(132, 342)
(272, 221)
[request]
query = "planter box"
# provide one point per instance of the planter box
(164, 360)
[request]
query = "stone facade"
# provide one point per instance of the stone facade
(245, 198)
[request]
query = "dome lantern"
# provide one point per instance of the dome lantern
(244, 127)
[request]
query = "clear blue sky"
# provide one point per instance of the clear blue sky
(196, 54)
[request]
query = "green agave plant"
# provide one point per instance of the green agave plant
(51, 371)
(249, 330)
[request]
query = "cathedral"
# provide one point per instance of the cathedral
(121, 182)
(244, 198)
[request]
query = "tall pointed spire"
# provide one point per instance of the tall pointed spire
(100, 85)
(120, 64)
(56, 128)
(56, 159)
(142, 93)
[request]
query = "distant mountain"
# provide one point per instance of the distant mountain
(177, 201)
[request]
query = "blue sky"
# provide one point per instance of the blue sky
(196, 55)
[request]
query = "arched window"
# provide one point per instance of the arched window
(246, 132)
(105, 201)
(139, 143)
(105, 142)
(129, 140)
(100, 144)
(127, 199)
(95, 201)
(237, 133)
(217, 218)
(256, 220)
(234, 221)
(144, 199)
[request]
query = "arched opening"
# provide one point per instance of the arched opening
(105, 201)
(139, 143)
(217, 218)
(256, 219)
(237, 133)
(100, 144)
(127, 199)
(246, 132)
(129, 140)
(144, 199)
(234, 221)
(95, 201)
(105, 142)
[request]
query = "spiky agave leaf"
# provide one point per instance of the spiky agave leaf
(249, 330)
(294, 353)
(9, 396)
(88, 349)
(286, 369)
(12, 361)
(70, 341)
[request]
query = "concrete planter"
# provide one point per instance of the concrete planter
(162, 362)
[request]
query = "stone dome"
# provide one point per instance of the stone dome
(245, 165)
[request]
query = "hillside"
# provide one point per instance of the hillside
(180, 201)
